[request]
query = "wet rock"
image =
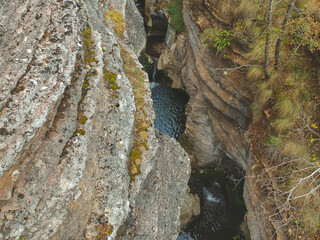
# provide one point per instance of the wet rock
(213, 208)
(159, 24)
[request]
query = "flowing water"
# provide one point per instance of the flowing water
(222, 207)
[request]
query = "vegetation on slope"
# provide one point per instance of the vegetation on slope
(141, 124)
(282, 42)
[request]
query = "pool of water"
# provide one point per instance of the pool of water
(169, 105)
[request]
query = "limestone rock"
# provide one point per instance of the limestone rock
(65, 135)
(135, 26)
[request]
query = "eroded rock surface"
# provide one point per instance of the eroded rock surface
(66, 135)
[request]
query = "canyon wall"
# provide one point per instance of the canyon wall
(219, 110)
(66, 135)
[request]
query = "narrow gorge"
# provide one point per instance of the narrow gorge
(117, 121)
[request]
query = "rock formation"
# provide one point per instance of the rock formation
(66, 135)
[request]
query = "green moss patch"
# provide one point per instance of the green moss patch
(83, 120)
(88, 46)
(81, 131)
(111, 80)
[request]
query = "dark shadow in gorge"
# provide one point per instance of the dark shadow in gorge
(222, 206)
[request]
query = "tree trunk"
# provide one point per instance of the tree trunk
(284, 26)
(267, 52)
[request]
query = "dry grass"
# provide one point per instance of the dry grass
(263, 94)
(291, 80)
(141, 124)
(256, 55)
(294, 149)
(311, 218)
(255, 74)
(285, 108)
(282, 124)
(246, 9)
(119, 25)
(312, 8)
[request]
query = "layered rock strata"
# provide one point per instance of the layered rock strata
(66, 135)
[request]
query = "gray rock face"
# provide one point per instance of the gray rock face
(65, 137)
(162, 185)
(135, 26)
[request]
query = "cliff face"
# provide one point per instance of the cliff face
(66, 135)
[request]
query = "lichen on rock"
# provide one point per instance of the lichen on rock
(65, 134)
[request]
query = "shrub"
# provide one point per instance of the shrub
(305, 31)
(176, 17)
(275, 141)
(217, 39)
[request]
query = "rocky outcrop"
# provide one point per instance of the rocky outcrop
(136, 32)
(256, 214)
(172, 58)
(66, 135)
(158, 192)
(190, 209)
